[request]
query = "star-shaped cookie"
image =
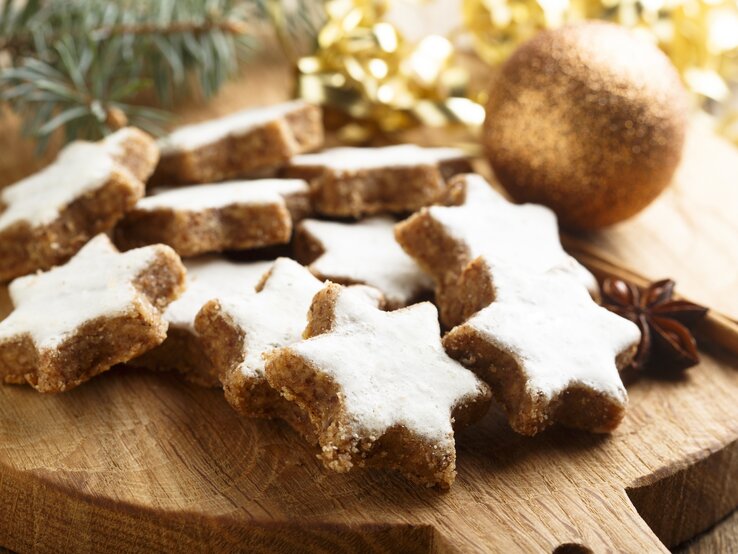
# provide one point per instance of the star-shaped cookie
(236, 331)
(364, 252)
(550, 352)
(77, 320)
(255, 140)
(215, 217)
(47, 217)
(444, 239)
(207, 278)
(392, 179)
(378, 387)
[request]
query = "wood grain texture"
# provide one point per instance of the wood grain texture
(141, 462)
(721, 538)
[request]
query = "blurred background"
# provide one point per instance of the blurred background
(383, 69)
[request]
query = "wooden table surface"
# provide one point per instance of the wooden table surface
(697, 239)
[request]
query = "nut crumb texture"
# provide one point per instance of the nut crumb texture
(47, 217)
(353, 182)
(236, 215)
(252, 142)
(78, 320)
(378, 387)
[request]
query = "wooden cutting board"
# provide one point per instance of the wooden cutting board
(140, 462)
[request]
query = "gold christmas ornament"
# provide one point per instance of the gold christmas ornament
(588, 119)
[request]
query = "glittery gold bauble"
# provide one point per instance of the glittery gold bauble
(588, 119)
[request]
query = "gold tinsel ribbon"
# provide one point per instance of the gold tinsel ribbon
(374, 80)
(366, 70)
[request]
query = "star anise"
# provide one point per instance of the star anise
(666, 324)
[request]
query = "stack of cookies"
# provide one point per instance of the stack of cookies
(337, 337)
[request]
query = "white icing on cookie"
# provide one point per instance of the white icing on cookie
(557, 333)
(367, 252)
(276, 315)
(191, 137)
(202, 197)
(80, 168)
(391, 368)
(96, 282)
(524, 236)
(114, 142)
(209, 277)
(353, 159)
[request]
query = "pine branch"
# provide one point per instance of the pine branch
(15, 15)
(22, 42)
(48, 98)
(84, 66)
(232, 27)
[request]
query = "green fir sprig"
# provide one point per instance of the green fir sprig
(91, 66)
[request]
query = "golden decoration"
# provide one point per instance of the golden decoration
(365, 69)
(587, 119)
(499, 26)
(373, 80)
(699, 36)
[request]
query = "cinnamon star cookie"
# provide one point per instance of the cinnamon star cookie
(240, 144)
(207, 277)
(392, 179)
(378, 387)
(77, 320)
(236, 331)
(216, 217)
(364, 252)
(444, 239)
(549, 352)
(47, 217)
